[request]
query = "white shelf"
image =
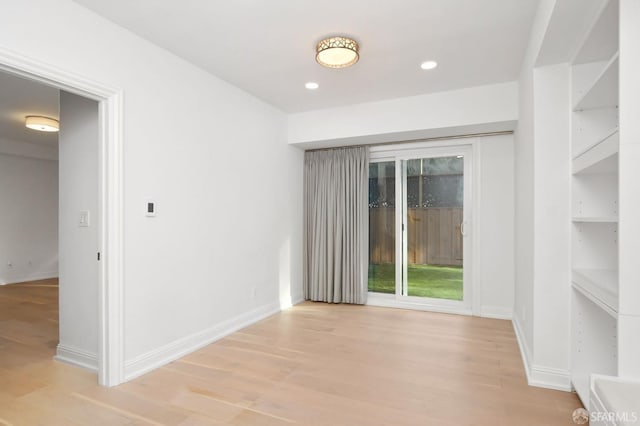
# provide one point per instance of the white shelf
(603, 92)
(596, 219)
(600, 286)
(599, 157)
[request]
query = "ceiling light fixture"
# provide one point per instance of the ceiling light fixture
(428, 65)
(312, 85)
(42, 124)
(337, 52)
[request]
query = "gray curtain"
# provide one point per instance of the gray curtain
(336, 222)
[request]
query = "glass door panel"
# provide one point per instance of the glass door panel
(382, 227)
(433, 213)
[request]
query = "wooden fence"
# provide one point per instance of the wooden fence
(433, 236)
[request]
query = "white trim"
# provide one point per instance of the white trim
(496, 312)
(297, 300)
(390, 301)
(550, 378)
(31, 277)
(77, 357)
(525, 353)
(539, 375)
(111, 299)
(474, 219)
(165, 354)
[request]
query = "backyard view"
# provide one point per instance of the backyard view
(440, 282)
(433, 199)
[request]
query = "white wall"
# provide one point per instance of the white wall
(524, 187)
(496, 226)
(26, 149)
(458, 112)
(227, 185)
(552, 194)
(28, 219)
(78, 151)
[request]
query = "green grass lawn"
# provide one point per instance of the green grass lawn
(441, 282)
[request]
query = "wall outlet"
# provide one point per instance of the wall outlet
(9, 264)
(253, 292)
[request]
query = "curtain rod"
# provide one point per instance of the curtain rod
(438, 138)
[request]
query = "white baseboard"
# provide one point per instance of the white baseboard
(77, 357)
(165, 354)
(550, 378)
(44, 275)
(539, 375)
(496, 312)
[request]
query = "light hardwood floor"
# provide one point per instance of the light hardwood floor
(315, 364)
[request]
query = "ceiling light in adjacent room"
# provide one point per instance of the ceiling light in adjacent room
(428, 65)
(312, 85)
(42, 124)
(337, 52)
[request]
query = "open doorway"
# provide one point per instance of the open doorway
(49, 224)
(110, 357)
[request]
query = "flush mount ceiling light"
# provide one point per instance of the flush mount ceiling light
(42, 124)
(312, 85)
(337, 52)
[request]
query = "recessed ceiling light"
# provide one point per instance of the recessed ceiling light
(428, 65)
(337, 52)
(42, 124)
(312, 85)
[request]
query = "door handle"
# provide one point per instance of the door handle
(462, 232)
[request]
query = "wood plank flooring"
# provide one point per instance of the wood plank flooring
(315, 364)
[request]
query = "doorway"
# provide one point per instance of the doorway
(110, 356)
(419, 220)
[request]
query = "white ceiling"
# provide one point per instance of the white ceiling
(267, 47)
(19, 98)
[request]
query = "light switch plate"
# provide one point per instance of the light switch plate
(83, 219)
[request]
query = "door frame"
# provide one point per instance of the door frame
(401, 151)
(110, 202)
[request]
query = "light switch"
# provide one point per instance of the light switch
(83, 219)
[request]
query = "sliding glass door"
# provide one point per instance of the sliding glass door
(419, 216)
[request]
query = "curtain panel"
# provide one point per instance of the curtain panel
(336, 225)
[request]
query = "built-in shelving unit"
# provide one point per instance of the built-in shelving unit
(595, 193)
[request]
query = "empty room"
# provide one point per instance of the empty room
(421, 212)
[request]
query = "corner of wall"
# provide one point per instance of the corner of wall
(78, 357)
(537, 375)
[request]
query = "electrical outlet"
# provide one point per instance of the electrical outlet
(253, 292)
(9, 264)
